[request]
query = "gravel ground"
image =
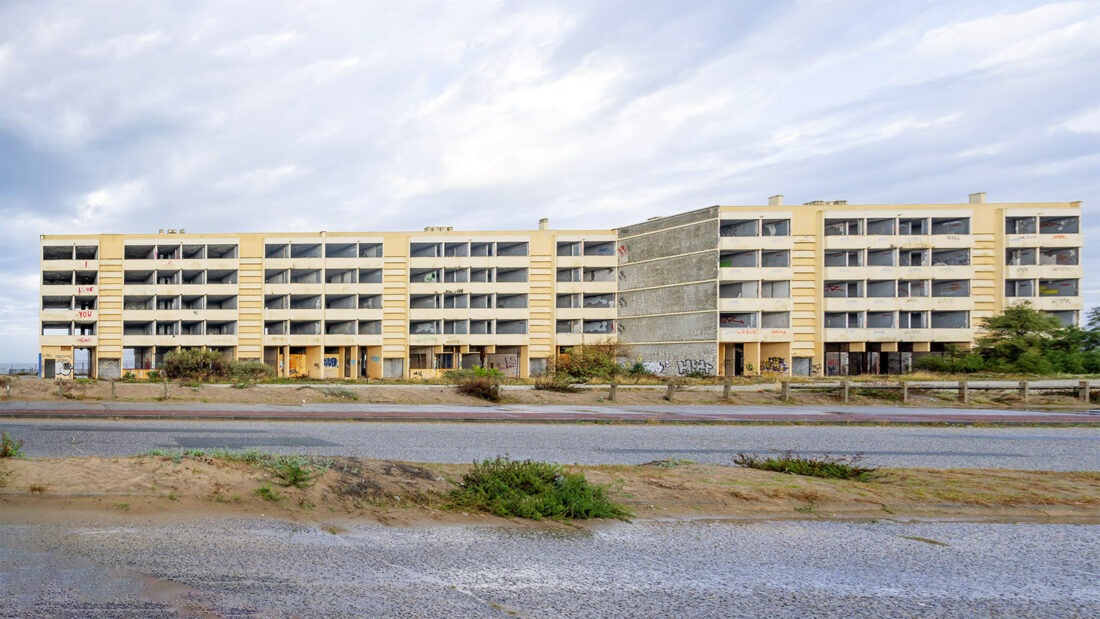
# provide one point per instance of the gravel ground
(1061, 449)
(259, 568)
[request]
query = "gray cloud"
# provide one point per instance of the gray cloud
(213, 116)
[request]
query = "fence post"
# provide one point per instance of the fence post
(904, 392)
(668, 392)
(964, 391)
(1083, 390)
(112, 388)
(785, 391)
(844, 391)
(165, 379)
(1024, 391)
(726, 386)
(60, 389)
(611, 390)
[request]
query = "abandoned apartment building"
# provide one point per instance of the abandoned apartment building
(818, 288)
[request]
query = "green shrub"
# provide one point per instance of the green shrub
(250, 371)
(267, 493)
(478, 382)
(536, 490)
(825, 466)
(10, 447)
(591, 361)
(292, 472)
(194, 364)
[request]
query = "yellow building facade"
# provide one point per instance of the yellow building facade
(818, 288)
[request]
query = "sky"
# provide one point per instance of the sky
(129, 117)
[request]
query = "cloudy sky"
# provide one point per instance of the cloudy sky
(248, 116)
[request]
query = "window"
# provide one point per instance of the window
(425, 276)
(481, 327)
(739, 320)
(340, 302)
(65, 278)
(424, 327)
(569, 248)
(225, 252)
(1059, 225)
(423, 301)
(776, 227)
(569, 275)
(604, 301)
(456, 276)
(739, 227)
(1020, 288)
(913, 257)
(599, 248)
(274, 251)
(512, 249)
(1068, 318)
(912, 320)
(481, 301)
(881, 288)
(341, 250)
(880, 320)
(275, 327)
(950, 257)
(880, 257)
(880, 227)
(568, 301)
(912, 288)
(598, 275)
(737, 259)
(567, 326)
(738, 290)
(481, 249)
(950, 225)
(455, 327)
(1020, 257)
(456, 301)
(481, 275)
(951, 288)
(843, 289)
(775, 320)
(913, 226)
(370, 250)
(511, 327)
(1058, 255)
(305, 250)
(57, 253)
(370, 327)
(775, 290)
(456, 250)
(221, 328)
(843, 227)
(598, 326)
(1058, 288)
(843, 320)
(305, 276)
(305, 301)
(511, 301)
(512, 275)
(781, 258)
(843, 258)
(340, 276)
(370, 301)
(1019, 225)
(950, 320)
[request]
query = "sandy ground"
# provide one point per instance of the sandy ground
(409, 494)
(35, 389)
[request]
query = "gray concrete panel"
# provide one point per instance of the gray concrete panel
(678, 270)
(696, 237)
(710, 212)
(677, 359)
(689, 298)
(681, 327)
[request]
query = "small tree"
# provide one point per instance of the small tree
(600, 361)
(194, 364)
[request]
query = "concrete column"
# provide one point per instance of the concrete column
(668, 392)
(726, 386)
(1024, 391)
(844, 391)
(785, 391)
(964, 391)
(1083, 390)
(904, 392)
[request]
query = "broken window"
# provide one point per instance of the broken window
(424, 327)
(511, 301)
(305, 276)
(1020, 256)
(599, 300)
(599, 326)
(226, 252)
(481, 249)
(221, 302)
(456, 301)
(425, 250)
(481, 327)
(843, 227)
(370, 250)
(303, 301)
(457, 276)
(568, 301)
(221, 277)
(168, 252)
(425, 276)
(340, 302)
(775, 227)
(739, 227)
(569, 248)
(913, 257)
(305, 250)
(1059, 225)
(139, 252)
(189, 327)
(511, 327)
(274, 251)
(370, 301)
(951, 288)
(168, 302)
(737, 320)
(481, 275)
(370, 327)
(57, 253)
(1019, 225)
(950, 225)
(912, 320)
(843, 320)
(843, 289)
(340, 276)
(341, 250)
(342, 327)
(512, 249)
(1055, 255)
(599, 274)
(569, 275)
(455, 327)
(276, 276)
(481, 301)
(423, 301)
(194, 278)
(456, 250)
(137, 328)
(599, 248)
(1058, 288)
(567, 326)
(511, 275)
(370, 276)
(950, 257)
(880, 257)
(168, 278)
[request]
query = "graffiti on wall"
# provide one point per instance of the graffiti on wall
(693, 366)
(655, 367)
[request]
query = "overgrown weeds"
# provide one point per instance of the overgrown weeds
(478, 382)
(535, 490)
(267, 493)
(293, 472)
(824, 466)
(555, 382)
(10, 447)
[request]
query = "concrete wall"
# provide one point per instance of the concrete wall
(675, 300)
(701, 326)
(677, 359)
(109, 368)
(670, 271)
(702, 236)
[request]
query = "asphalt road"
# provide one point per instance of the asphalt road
(259, 568)
(1037, 448)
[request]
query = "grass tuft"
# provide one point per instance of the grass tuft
(10, 447)
(267, 493)
(825, 466)
(535, 490)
